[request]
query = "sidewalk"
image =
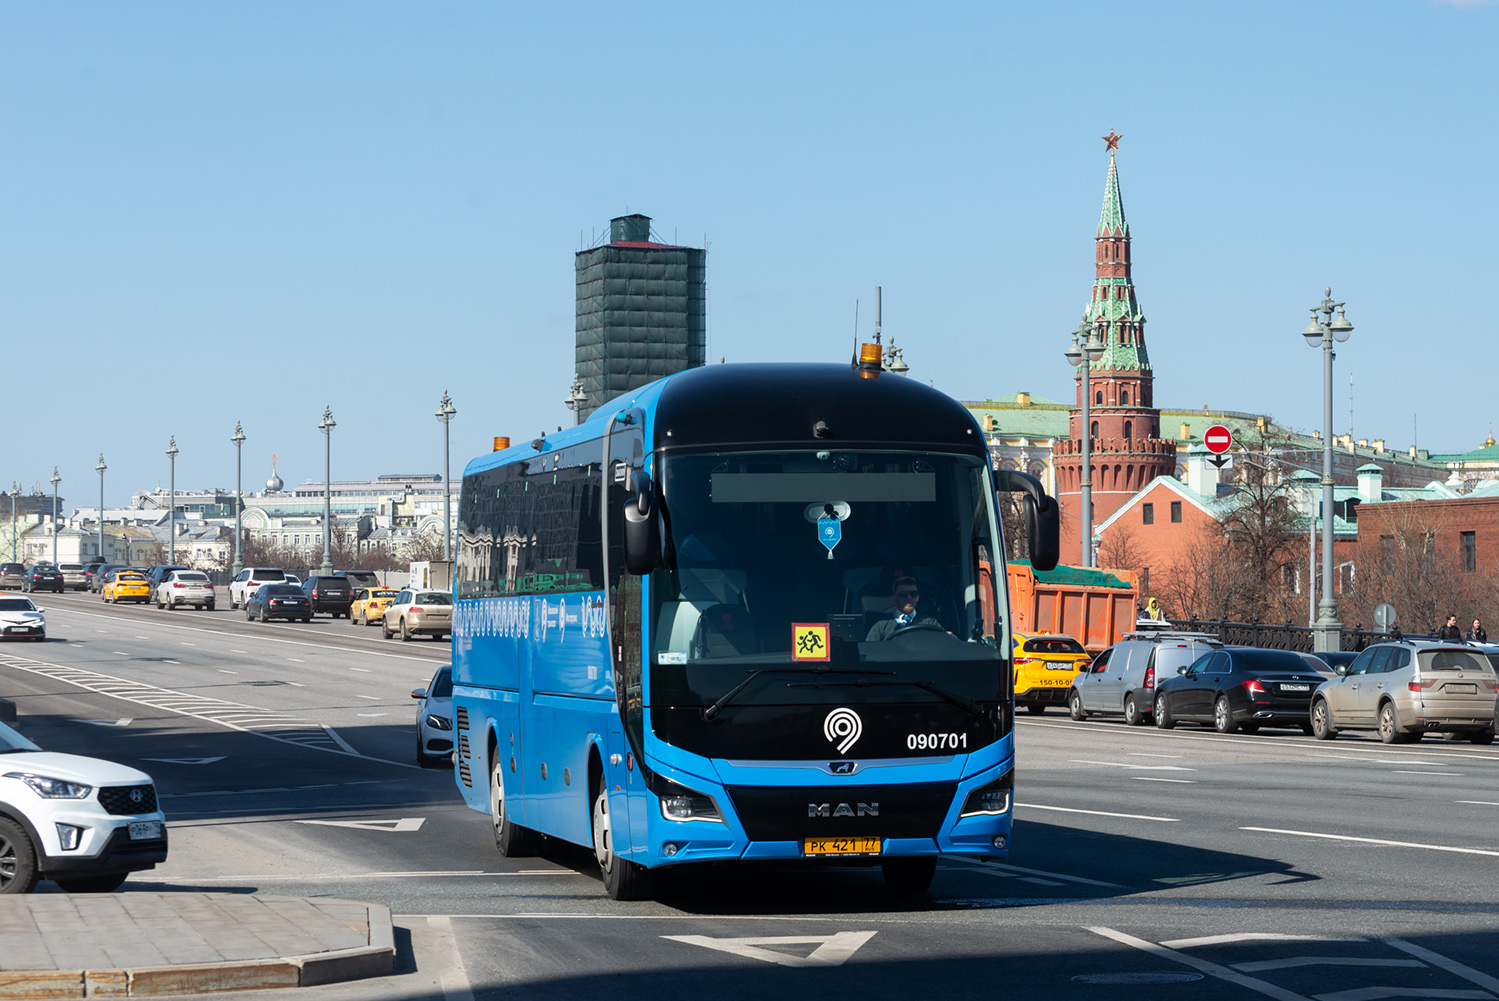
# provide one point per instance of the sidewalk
(135, 944)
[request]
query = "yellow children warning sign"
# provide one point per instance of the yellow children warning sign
(809, 641)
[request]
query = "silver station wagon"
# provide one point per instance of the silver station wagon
(1407, 689)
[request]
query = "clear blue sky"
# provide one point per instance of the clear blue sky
(248, 211)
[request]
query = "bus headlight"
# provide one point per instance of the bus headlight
(682, 804)
(990, 800)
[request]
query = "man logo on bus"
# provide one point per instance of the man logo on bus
(843, 727)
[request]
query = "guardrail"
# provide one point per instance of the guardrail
(1272, 636)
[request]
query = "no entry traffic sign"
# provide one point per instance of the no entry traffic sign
(1218, 439)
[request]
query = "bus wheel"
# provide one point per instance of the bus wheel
(623, 879)
(510, 839)
(910, 873)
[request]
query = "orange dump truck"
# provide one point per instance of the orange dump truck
(1094, 607)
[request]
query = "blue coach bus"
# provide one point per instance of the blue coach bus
(747, 612)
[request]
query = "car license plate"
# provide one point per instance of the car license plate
(841, 846)
(145, 830)
(1054, 682)
(1295, 688)
(1453, 688)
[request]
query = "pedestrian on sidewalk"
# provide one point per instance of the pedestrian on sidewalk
(1477, 633)
(1451, 631)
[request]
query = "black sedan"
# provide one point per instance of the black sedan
(1239, 688)
(278, 601)
(43, 577)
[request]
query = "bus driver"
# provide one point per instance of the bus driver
(904, 596)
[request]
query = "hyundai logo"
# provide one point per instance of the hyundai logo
(843, 810)
(137, 797)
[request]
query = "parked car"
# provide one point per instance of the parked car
(359, 578)
(329, 594)
(43, 577)
(248, 580)
(434, 720)
(278, 601)
(418, 613)
(83, 823)
(185, 587)
(292, 578)
(370, 603)
(1406, 689)
(1045, 666)
(12, 575)
(1121, 681)
(73, 577)
(155, 575)
(1239, 688)
(125, 584)
(101, 571)
(20, 619)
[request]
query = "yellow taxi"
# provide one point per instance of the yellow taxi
(126, 585)
(370, 604)
(1045, 664)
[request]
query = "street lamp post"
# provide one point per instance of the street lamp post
(172, 503)
(101, 467)
(55, 481)
(326, 425)
(15, 488)
(445, 412)
(1082, 355)
(575, 399)
(1327, 631)
(239, 498)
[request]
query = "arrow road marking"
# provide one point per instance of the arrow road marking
(1450, 965)
(187, 761)
(1375, 993)
(105, 722)
(1200, 965)
(403, 826)
(832, 950)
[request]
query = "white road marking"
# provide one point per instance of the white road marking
(1126, 764)
(296, 660)
(186, 643)
(1154, 778)
(452, 977)
(187, 761)
(1309, 746)
(222, 671)
(1375, 993)
(177, 662)
(1475, 802)
(1202, 966)
(403, 874)
(372, 698)
(138, 637)
(106, 722)
(832, 950)
(298, 684)
(238, 651)
(1255, 936)
(1398, 771)
(1296, 961)
(1375, 841)
(362, 670)
(106, 630)
(1099, 813)
(1039, 881)
(1144, 754)
(1450, 965)
(372, 715)
(122, 653)
(403, 826)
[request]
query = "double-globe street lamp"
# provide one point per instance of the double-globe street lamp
(445, 412)
(1327, 631)
(1087, 347)
(15, 488)
(55, 481)
(239, 498)
(172, 503)
(101, 467)
(326, 425)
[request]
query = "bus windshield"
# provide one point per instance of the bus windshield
(814, 575)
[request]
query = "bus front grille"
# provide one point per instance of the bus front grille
(790, 813)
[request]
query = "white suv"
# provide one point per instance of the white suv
(185, 587)
(248, 581)
(81, 822)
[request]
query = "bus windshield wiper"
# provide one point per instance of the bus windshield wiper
(729, 696)
(961, 701)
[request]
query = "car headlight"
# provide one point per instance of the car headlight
(50, 788)
(439, 722)
(991, 800)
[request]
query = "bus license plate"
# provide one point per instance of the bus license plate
(841, 846)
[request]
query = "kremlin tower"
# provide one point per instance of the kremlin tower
(1125, 428)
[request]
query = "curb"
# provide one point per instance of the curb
(374, 960)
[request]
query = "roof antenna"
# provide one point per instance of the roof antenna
(877, 291)
(856, 331)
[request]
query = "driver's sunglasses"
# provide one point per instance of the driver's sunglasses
(907, 594)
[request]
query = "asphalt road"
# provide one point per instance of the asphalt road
(1146, 863)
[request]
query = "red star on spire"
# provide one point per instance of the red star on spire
(1112, 140)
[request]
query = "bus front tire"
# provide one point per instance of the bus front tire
(510, 839)
(623, 879)
(909, 874)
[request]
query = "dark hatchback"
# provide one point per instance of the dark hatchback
(278, 601)
(43, 577)
(333, 595)
(1239, 688)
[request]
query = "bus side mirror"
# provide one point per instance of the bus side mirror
(642, 537)
(1043, 523)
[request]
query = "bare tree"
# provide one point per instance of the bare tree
(1413, 560)
(427, 546)
(1120, 550)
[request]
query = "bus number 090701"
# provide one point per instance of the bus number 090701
(936, 741)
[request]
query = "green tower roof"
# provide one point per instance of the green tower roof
(1111, 221)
